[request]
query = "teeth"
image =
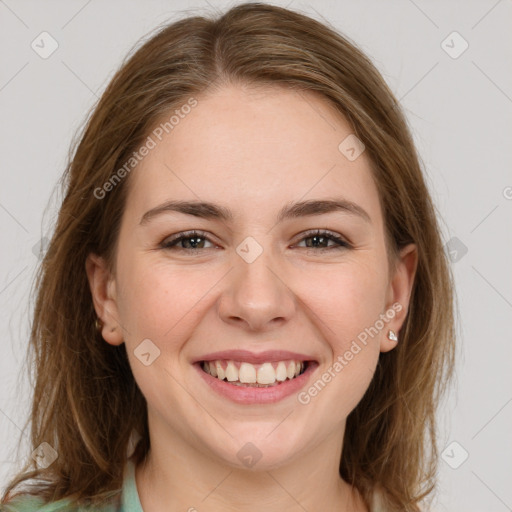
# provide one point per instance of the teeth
(231, 372)
(247, 374)
(220, 371)
(281, 372)
(265, 374)
(290, 373)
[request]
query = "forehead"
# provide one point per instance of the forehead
(254, 149)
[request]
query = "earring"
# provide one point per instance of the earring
(98, 324)
(392, 335)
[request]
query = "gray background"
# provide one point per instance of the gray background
(460, 111)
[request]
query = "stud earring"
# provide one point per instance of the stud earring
(392, 335)
(98, 324)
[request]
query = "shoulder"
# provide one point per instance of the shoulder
(28, 503)
(123, 500)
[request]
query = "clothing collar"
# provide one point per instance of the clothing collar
(130, 501)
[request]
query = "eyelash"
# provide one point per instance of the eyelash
(341, 243)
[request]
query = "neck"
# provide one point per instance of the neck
(179, 476)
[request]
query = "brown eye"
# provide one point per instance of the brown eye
(319, 239)
(186, 241)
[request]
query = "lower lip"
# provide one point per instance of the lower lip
(250, 395)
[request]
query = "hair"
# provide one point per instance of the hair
(86, 403)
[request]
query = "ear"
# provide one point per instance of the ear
(103, 290)
(399, 293)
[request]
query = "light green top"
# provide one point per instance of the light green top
(129, 500)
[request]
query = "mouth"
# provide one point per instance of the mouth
(247, 378)
(264, 375)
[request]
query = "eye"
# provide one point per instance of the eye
(191, 241)
(319, 237)
(186, 241)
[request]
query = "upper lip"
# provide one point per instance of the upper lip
(254, 357)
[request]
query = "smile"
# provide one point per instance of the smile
(267, 374)
(249, 378)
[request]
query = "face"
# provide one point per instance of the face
(261, 284)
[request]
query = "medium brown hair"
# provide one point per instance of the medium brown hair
(86, 402)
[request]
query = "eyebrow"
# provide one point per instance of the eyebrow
(207, 210)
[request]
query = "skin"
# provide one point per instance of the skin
(252, 150)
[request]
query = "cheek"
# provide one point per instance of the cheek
(346, 298)
(160, 301)
(347, 304)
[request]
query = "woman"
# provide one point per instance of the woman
(245, 303)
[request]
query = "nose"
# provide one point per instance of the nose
(256, 297)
